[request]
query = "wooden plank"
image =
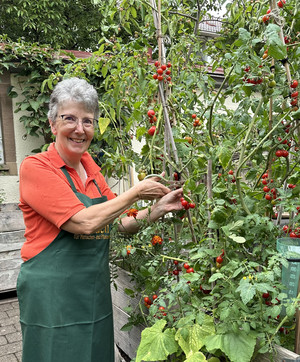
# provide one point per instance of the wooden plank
(281, 355)
(126, 341)
(120, 298)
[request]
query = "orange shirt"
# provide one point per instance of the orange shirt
(47, 200)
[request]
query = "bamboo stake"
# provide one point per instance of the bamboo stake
(168, 127)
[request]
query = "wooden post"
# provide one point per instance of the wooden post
(297, 331)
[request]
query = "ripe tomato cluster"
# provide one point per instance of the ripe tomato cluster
(219, 259)
(292, 233)
(188, 268)
(178, 269)
(294, 95)
(196, 122)
(266, 17)
(151, 115)
(162, 72)
(249, 80)
(270, 192)
(187, 205)
(148, 302)
(231, 173)
(152, 119)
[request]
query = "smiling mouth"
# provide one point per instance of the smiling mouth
(76, 140)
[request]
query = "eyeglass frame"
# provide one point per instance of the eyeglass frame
(77, 119)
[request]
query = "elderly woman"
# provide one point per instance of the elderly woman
(64, 282)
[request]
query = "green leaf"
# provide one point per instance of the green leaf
(244, 37)
(140, 132)
(133, 12)
(156, 344)
(193, 341)
(238, 347)
(290, 310)
(35, 105)
(129, 292)
(246, 290)
(104, 70)
(219, 214)
(276, 48)
(215, 276)
(237, 239)
(103, 124)
(224, 154)
(196, 357)
(247, 90)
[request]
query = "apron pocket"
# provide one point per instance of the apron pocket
(74, 287)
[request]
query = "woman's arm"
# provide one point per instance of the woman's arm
(169, 202)
(96, 217)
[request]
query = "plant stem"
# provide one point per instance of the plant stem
(243, 148)
(209, 124)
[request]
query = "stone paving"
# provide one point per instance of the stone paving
(10, 331)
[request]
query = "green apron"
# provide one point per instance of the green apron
(65, 300)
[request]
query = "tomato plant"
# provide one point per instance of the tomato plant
(234, 147)
(236, 164)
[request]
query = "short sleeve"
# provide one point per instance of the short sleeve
(43, 189)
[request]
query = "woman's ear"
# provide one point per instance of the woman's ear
(53, 127)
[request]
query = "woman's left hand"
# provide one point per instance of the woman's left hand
(171, 201)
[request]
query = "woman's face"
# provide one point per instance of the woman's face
(72, 140)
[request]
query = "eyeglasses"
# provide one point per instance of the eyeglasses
(72, 121)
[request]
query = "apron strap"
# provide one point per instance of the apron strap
(64, 170)
(66, 173)
(98, 187)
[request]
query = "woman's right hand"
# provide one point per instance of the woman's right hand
(151, 189)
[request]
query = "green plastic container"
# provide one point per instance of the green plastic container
(290, 248)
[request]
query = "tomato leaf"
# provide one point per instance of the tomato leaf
(224, 154)
(276, 47)
(156, 344)
(215, 276)
(246, 290)
(196, 357)
(191, 338)
(237, 239)
(237, 346)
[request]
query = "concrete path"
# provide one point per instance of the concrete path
(10, 331)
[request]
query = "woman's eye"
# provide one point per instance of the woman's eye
(70, 119)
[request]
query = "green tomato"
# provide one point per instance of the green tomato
(141, 176)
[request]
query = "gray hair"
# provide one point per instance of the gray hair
(73, 89)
